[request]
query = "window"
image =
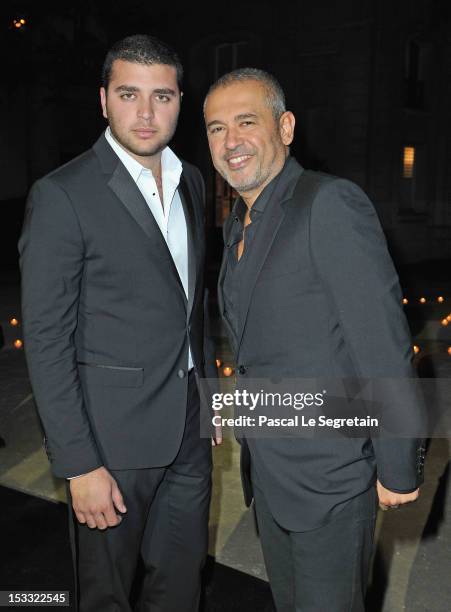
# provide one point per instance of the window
(413, 192)
(408, 163)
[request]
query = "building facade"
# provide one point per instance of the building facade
(369, 83)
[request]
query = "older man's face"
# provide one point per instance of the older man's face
(247, 144)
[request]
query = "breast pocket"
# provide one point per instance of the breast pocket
(110, 376)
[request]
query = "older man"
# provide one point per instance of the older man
(305, 268)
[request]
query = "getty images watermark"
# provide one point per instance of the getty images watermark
(311, 408)
(264, 399)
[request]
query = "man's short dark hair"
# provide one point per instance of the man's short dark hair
(275, 97)
(141, 49)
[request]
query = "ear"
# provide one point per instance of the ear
(286, 127)
(103, 102)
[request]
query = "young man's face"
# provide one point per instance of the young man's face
(142, 105)
(248, 145)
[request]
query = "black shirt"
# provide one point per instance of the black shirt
(234, 268)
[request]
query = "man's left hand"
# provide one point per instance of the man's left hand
(391, 499)
(216, 438)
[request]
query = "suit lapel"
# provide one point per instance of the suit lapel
(126, 190)
(263, 241)
(264, 238)
(193, 260)
(222, 270)
(128, 193)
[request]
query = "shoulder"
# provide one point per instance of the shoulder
(74, 169)
(72, 176)
(61, 191)
(337, 197)
(343, 211)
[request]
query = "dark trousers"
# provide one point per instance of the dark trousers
(323, 570)
(166, 524)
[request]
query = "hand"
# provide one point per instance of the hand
(391, 499)
(95, 496)
(216, 439)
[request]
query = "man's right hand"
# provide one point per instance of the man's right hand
(95, 498)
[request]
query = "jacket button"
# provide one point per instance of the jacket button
(241, 370)
(181, 373)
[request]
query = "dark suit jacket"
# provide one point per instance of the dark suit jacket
(320, 298)
(106, 320)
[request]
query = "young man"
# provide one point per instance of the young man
(112, 258)
(305, 270)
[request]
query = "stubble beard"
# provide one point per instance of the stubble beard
(253, 182)
(146, 149)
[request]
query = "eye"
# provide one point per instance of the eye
(128, 96)
(162, 98)
(247, 123)
(216, 129)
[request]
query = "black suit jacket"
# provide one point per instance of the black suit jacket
(320, 298)
(106, 321)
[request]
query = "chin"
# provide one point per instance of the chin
(235, 180)
(244, 184)
(149, 151)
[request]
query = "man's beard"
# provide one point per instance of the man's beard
(259, 177)
(251, 183)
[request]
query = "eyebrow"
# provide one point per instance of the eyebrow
(245, 116)
(239, 117)
(126, 88)
(162, 90)
(165, 90)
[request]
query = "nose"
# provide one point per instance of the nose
(145, 110)
(233, 138)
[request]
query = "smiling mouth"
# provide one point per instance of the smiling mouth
(237, 162)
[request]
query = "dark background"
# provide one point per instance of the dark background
(369, 82)
(365, 79)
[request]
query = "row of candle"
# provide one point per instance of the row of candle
(423, 300)
(228, 370)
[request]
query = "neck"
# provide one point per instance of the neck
(151, 162)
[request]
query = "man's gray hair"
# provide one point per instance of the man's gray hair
(275, 97)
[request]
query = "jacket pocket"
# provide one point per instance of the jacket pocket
(110, 376)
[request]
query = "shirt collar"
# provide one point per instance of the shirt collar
(171, 166)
